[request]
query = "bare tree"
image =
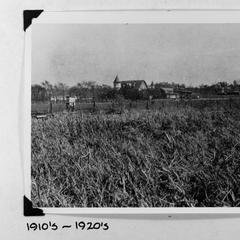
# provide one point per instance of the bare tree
(62, 87)
(49, 88)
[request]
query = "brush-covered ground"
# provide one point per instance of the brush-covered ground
(181, 157)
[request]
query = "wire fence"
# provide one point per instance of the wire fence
(214, 103)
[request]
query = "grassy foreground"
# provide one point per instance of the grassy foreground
(171, 158)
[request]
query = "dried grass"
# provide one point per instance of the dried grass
(180, 157)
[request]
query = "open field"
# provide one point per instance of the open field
(173, 157)
(43, 107)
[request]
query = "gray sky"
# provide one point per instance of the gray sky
(193, 54)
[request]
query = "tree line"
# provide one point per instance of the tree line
(91, 90)
(84, 90)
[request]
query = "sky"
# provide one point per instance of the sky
(192, 54)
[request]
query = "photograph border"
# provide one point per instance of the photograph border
(111, 17)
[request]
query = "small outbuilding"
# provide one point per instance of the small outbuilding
(170, 93)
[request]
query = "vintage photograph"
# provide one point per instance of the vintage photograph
(135, 115)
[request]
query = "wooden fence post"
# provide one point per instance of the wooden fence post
(147, 106)
(50, 106)
(93, 96)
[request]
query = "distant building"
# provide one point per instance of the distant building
(170, 93)
(183, 93)
(116, 83)
(136, 84)
(131, 89)
(129, 84)
(151, 86)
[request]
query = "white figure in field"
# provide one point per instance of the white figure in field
(70, 103)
